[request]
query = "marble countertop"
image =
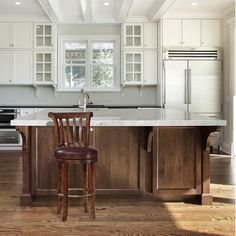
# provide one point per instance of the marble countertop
(125, 117)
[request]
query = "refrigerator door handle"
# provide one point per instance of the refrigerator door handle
(164, 86)
(189, 86)
(185, 86)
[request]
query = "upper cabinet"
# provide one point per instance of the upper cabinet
(16, 35)
(211, 33)
(139, 54)
(191, 33)
(132, 35)
(16, 67)
(44, 36)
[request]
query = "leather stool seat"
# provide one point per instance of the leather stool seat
(80, 153)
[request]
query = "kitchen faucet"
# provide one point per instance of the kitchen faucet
(85, 94)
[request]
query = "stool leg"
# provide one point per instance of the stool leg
(85, 186)
(92, 190)
(65, 191)
(59, 188)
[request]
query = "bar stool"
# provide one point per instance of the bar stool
(72, 131)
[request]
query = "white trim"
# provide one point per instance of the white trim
(190, 15)
(158, 9)
(122, 9)
(88, 39)
(24, 18)
(86, 10)
(50, 10)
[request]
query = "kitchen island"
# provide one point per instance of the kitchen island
(158, 152)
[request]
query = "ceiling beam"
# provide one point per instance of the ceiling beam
(158, 9)
(52, 9)
(121, 10)
(86, 9)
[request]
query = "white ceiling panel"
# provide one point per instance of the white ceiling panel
(202, 5)
(27, 7)
(102, 12)
(140, 8)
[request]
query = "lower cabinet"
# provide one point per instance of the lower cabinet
(16, 67)
(176, 162)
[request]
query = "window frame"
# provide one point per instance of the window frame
(89, 61)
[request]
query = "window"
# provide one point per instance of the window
(89, 62)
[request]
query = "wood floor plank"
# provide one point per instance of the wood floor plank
(127, 216)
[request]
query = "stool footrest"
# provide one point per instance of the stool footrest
(76, 196)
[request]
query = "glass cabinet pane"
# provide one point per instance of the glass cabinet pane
(39, 30)
(48, 41)
(137, 57)
(47, 77)
(39, 57)
(129, 30)
(48, 29)
(39, 67)
(137, 30)
(129, 41)
(39, 77)
(39, 41)
(129, 67)
(137, 77)
(137, 41)
(129, 77)
(137, 67)
(48, 67)
(47, 57)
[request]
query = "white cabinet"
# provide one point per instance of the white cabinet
(132, 35)
(150, 35)
(44, 36)
(191, 33)
(139, 53)
(43, 67)
(133, 68)
(45, 53)
(150, 68)
(171, 33)
(211, 33)
(16, 35)
(16, 67)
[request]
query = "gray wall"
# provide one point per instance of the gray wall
(46, 95)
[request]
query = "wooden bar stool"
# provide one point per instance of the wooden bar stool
(72, 131)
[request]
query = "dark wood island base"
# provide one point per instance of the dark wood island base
(169, 163)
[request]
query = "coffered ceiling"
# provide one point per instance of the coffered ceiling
(107, 11)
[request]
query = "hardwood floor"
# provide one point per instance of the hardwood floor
(130, 216)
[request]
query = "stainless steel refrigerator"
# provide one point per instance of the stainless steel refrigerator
(192, 81)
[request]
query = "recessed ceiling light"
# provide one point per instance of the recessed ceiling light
(194, 4)
(106, 3)
(18, 3)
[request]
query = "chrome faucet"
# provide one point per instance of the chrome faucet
(84, 99)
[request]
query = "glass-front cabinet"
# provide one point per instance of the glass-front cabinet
(44, 36)
(43, 67)
(133, 35)
(133, 68)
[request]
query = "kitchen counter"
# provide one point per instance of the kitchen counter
(125, 117)
(159, 152)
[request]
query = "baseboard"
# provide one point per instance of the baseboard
(226, 147)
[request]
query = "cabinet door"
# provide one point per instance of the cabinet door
(133, 35)
(191, 30)
(5, 67)
(44, 36)
(172, 32)
(22, 35)
(150, 35)
(5, 35)
(150, 68)
(22, 67)
(133, 68)
(43, 72)
(211, 33)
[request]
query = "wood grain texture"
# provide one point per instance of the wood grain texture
(115, 216)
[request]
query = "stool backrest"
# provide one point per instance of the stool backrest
(71, 128)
